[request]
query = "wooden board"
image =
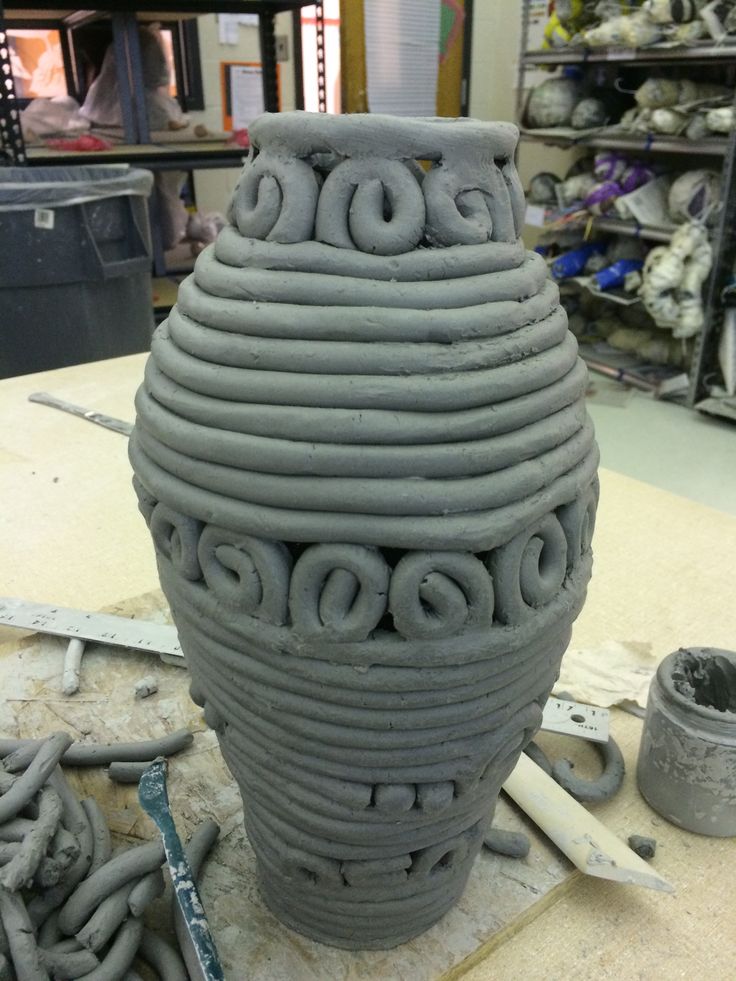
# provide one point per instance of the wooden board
(249, 938)
(663, 577)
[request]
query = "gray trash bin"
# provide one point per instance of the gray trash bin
(75, 265)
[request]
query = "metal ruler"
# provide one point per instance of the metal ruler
(98, 628)
(560, 715)
(576, 719)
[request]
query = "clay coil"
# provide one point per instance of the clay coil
(383, 686)
(233, 249)
(346, 357)
(358, 427)
(375, 323)
(360, 494)
(479, 529)
(324, 290)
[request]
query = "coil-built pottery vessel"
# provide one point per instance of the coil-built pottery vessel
(364, 457)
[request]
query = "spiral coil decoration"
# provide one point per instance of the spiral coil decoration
(364, 457)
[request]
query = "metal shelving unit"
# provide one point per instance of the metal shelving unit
(704, 54)
(138, 148)
(617, 226)
(611, 138)
(713, 151)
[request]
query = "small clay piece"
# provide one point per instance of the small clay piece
(45, 758)
(65, 847)
(364, 458)
(643, 846)
(21, 939)
(150, 887)
(127, 772)
(106, 919)
(22, 866)
(63, 964)
(121, 953)
(128, 865)
(605, 787)
(538, 756)
(97, 754)
(101, 844)
(165, 961)
(72, 666)
(146, 686)
(514, 844)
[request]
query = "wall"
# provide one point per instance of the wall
(214, 187)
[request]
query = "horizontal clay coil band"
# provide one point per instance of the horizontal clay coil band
(387, 686)
(375, 323)
(456, 261)
(360, 426)
(272, 286)
(476, 530)
(428, 460)
(395, 663)
(349, 357)
(430, 392)
(362, 494)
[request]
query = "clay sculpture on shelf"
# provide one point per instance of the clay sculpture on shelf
(367, 468)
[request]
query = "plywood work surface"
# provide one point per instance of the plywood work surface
(71, 534)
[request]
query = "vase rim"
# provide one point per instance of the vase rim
(374, 134)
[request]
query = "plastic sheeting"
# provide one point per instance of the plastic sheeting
(27, 188)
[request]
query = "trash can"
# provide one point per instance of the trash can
(75, 265)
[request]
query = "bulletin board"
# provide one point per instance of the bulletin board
(241, 84)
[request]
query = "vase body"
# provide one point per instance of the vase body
(364, 457)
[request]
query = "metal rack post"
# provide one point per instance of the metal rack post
(296, 32)
(267, 37)
(724, 255)
(123, 70)
(319, 21)
(12, 145)
(467, 59)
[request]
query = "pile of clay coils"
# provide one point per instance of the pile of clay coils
(70, 907)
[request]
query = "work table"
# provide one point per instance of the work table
(663, 577)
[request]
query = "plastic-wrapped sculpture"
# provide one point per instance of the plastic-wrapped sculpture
(364, 456)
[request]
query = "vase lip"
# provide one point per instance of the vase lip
(374, 134)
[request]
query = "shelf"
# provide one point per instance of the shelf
(148, 9)
(555, 220)
(618, 226)
(703, 53)
(662, 381)
(175, 156)
(611, 139)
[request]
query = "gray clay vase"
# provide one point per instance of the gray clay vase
(364, 456)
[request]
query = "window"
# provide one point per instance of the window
(37, 61)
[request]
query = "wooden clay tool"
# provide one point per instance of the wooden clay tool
(587, 843)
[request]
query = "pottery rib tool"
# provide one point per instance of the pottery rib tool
(154, 799)
(91, 415)
(587, 843)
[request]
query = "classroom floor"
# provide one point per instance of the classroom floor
(665, 444)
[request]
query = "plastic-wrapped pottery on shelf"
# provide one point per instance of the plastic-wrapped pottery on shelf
(363, 453)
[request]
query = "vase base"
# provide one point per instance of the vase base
(360, 935)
